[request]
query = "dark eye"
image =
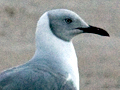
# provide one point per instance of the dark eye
(68, 20)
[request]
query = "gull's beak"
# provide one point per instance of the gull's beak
(95, 30)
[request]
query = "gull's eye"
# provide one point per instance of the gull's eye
(68, 20)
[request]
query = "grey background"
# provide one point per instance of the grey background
(99, 57)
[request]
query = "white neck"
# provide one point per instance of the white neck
(52, 49)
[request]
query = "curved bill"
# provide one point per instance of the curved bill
(95, 30)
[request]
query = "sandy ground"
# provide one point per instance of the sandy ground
(99, 57)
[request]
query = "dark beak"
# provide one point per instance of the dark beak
(95, 30)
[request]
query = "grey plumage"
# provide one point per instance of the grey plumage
(30, 78)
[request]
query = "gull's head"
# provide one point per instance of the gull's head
(66, 24)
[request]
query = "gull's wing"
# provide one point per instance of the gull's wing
(27, 78)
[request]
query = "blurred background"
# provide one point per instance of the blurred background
(98, 57)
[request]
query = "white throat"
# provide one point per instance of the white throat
(53, 49)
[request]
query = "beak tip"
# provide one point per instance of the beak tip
(108, 35)
(104, 33)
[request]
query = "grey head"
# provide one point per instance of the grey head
(66, 24)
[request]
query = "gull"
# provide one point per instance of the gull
(54, 65)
